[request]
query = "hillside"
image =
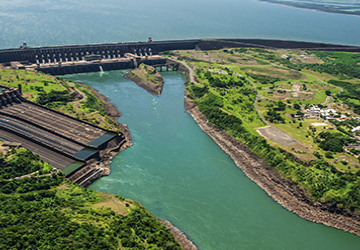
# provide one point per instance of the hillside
(45, 211)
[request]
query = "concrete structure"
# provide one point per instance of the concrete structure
(73, 53)
(67, 143)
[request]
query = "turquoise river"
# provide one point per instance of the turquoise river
(173, 168)
(179, 174)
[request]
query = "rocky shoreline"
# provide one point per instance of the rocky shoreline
(112, 111)
(181, 237)
(283, 191)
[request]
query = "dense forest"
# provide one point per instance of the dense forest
(45, 211)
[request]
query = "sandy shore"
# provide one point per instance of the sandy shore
(279, 189)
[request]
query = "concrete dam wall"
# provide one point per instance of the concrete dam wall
(78, 52)
(73, 53)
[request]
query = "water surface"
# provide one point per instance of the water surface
(63, 22)
(179, 174)
(173, 168)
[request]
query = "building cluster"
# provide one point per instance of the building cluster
(329, 114)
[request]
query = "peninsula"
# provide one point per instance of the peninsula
(148, 78)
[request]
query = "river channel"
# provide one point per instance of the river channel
(179, 174)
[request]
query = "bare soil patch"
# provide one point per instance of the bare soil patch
(274, 72)
(296, 87)
(319, 124)
(112, 202)
(278, 136)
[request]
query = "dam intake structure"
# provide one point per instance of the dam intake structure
(71, 59)
(69, 144)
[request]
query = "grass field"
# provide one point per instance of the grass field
(32, 82)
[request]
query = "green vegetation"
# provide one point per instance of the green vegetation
(148, 78)
(54, 98)
(263, 79)
(147, 73)
(272, 115)
(33, 83)
(222, 80)
(334, 141)
(329, 172)
(21, 162)
(321, 180)
(351, 94)
(60, 95)
(49, 212)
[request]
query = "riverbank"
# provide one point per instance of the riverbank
(283, 191)
(114, 114)
(181, 237)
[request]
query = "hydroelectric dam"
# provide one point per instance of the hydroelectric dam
(70, 59)
(77, 147)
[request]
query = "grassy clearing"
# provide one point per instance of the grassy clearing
(32, 83)
(46, 87)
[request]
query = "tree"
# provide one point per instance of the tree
(328, 92)
(329, 154)
(297, 106)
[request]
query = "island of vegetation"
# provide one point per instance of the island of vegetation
(290, 119)
(350, 7)
(148, 78)
(42, 210)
